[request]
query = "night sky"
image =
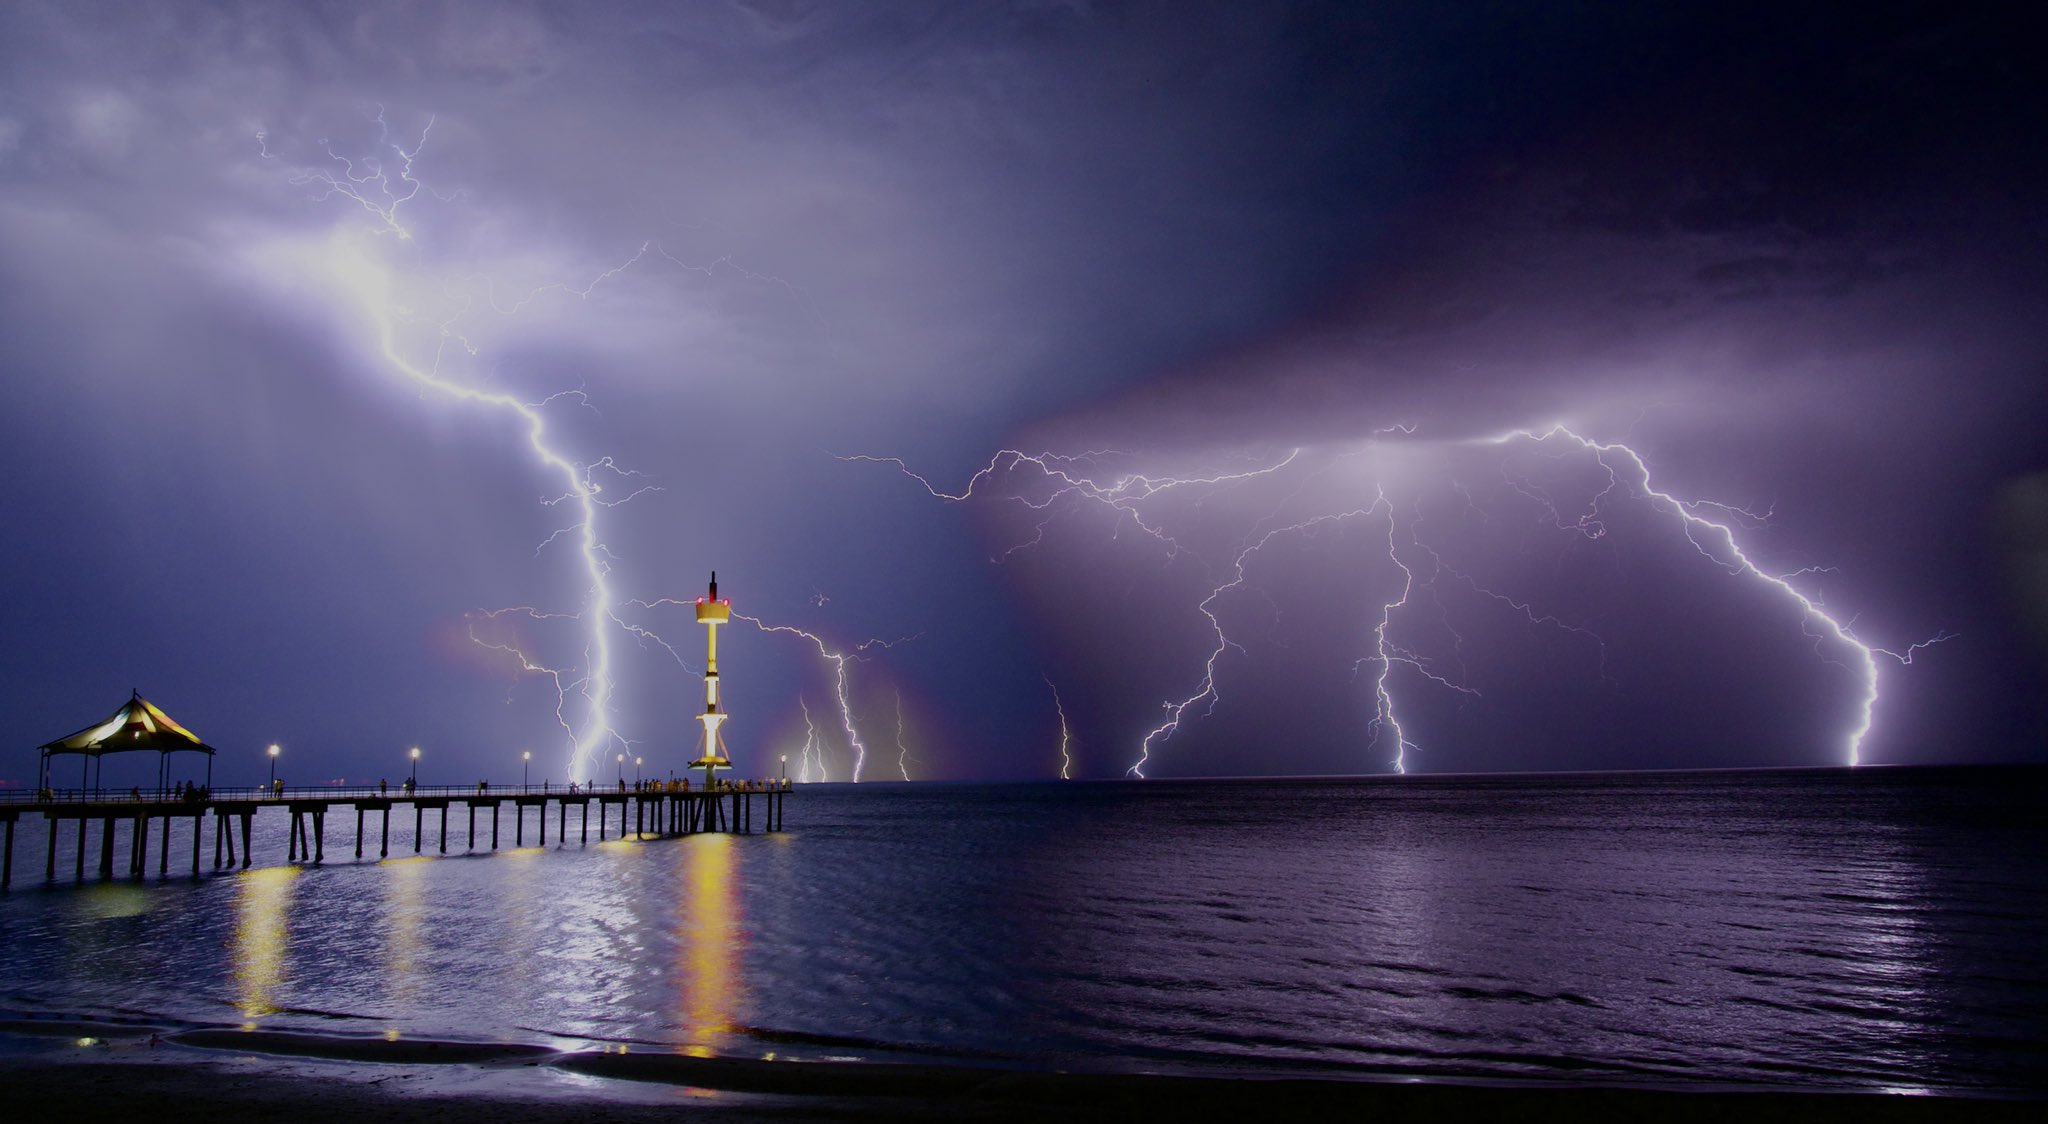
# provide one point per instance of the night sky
(1790, 254)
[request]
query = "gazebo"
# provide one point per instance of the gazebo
(136, 727)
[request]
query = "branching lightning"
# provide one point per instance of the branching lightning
(1206, 691)
(1722, 549)
(1123, 493)
(1056, 480)
(382, 185)
(839, 662)
(365, 263)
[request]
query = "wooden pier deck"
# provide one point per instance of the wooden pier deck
(655, 809)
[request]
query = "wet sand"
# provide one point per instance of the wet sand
(103, 1071)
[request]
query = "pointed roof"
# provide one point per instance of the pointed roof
(138, 724)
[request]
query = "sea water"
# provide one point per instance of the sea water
(1874, 929)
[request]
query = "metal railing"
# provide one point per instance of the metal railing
(399, 792)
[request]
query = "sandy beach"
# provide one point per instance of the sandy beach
(110, 1071)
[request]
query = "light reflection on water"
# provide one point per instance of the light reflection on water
(711, 943)
(262, 918)
(1876, 930)
(405, 909)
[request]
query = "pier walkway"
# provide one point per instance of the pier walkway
(652, 809)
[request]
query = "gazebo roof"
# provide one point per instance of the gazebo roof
(137, 725)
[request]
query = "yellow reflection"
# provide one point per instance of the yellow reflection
(263, 900)
(112, 901)
(710, 944)
(405, 904)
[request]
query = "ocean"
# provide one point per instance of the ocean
(1877, 929)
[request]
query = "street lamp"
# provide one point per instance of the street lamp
(273, 764)
(785, 766)
(637, 762)
(525, 761)
(414, 782)
(622, 770)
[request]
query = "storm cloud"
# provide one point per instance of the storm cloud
(1791, 257)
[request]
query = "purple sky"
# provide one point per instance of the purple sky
(270, 444)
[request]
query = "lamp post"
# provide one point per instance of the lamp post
(525, 762)
(785, 767)
(637, 762)
(273, 765)
(622, 770)
(414, 781)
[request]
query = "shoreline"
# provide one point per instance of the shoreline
(220, 1073)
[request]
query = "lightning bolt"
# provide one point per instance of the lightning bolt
(1042, 482)
(1066, 735)
(841, 688)
(366, 182)
(527, 663)
(902, 751)
(372, 286)
(1722, 548)
(1206, 689)
(382, 187)
(812, 747)
(1383, 697)
(839, 662)
(1387, 653)
(1122, 493)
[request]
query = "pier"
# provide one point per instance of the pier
(654, 809)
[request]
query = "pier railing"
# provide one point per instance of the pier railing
(651, 808)
(344, 793)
